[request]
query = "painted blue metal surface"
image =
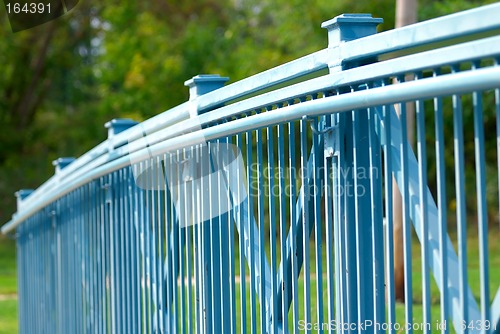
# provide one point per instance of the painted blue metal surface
(248, 212)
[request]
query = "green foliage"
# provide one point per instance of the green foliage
(429, 9)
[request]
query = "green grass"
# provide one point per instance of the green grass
(8, 287)
(7, 266)
(8, 316)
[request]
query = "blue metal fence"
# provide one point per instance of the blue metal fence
(259, 207)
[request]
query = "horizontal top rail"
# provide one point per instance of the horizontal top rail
(99, 153)
(448, 27)
(180, 120)
(460, 83)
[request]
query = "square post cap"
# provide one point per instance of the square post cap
(117, 125)
(204, 83)
(21, 195)
(347, 27)
(62, 163)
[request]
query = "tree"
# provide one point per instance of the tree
(34, 62)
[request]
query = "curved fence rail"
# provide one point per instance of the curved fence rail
(266, 206)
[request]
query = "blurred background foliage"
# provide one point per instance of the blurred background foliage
(60, 82)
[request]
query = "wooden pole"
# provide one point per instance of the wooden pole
(406, 13)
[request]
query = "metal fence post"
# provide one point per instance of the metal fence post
(112, 218)
(213, 257)
(60, 250)
(352, 168)
(23, 274)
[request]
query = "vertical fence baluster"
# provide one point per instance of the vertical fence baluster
(283, 316)
(225, 208)
(221, 239)
(137, 255)
(126, 270)
(132, 248)
(194, 235)
(93, 240)
(328, 160)
(293, 218)
(59, 212)
(142, 240)
(215, 239)
(377, 218)
(460, 199)
(20, 278)
(43, 289)
(90, 199)
(482, 212)
(362, 199)
(151, 247)
(422, 177)
(149, 228)
(169, 222)
(260, 209)
(242, 242)
(317, 191)
(113, 235)
(123, 278)
(250, 243)
(182, 217)
(102, 299)
(205, 246)
(175, 247)
(97, 272)
(305, 198)
(405, 201)
(162, 244)
(339, 187)
(79, 221)
(150, 225)
(89, 219)
(273, 305)
(69, 265)
(442, 206)
(138, 252)
(84, 235)
(188, 203)
(78, 257)
(231, 221)
(70, 297)
(347, 172)
(158, 184)
(113, 197)
(391, 310)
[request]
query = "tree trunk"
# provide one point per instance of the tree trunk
(406, 13)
